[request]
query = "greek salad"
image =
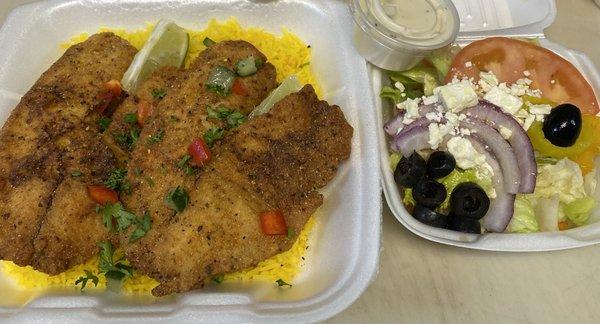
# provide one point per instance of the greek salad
(497, 136)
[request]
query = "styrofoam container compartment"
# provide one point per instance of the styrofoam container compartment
(344, 246)
(480, 19)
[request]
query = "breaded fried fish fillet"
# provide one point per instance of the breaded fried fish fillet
(276, 161)
(51, 135)
(181, 117)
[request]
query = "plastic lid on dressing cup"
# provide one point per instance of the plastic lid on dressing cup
(397, 28)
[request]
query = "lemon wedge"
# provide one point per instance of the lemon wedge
(167, 46)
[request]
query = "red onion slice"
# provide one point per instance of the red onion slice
(396, 123)
(519, 140)
(415, 139)
(501, 150)
(503, 206)
(421, 122)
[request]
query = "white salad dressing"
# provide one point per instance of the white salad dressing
(427, 21)
(397, 34)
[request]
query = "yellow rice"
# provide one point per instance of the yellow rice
(290, 55)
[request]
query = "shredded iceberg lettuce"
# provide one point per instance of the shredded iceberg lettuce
(563, 179)
(523, 220)
(394, 159)
(578, 211)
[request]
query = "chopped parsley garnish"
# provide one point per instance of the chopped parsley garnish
(212, 135)
(76, 173)
(130, 118)
(233, 118)
(128, 140)
(83, 280)
(103, 123)
(177, 199)
(116, 181)
(116, 214)
(158, 93)
(290, 232)
(137, 171)
(113, 269)
(173, 119)
(218, 279)
(280, 283)
(115, 178)
(150, 181)
(142, 227)
(220, 80)
(157, 137)
(184, 165)
(304, 64)
(208, 42)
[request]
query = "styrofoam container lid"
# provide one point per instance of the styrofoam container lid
(479, 19)
(485, 18)
(344, 247)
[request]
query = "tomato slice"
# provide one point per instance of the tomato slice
(273, 223)
(102, 195)
(199, 151)
(103, 98)
(114, 86)
(112, 89)
(144, 110)
(239, 88)
(508, 58)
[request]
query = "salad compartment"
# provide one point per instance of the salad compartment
(516, 242)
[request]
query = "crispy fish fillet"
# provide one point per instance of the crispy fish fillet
(49, 135)
(150, 92)
(181, 118)
(275, 161)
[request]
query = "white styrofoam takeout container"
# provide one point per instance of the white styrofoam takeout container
(344, 247)
(480, 19)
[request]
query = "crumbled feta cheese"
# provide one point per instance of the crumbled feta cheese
(468, 64)
(528, 121)
(403, 95)
(434, 116)
(522, 113)
(526, 73)
(524, 81)
(505, 132)
(540, 109)
(465, 132)
(518, 90)
(457, 96)
(487, 80)
(534, 93)
(430, 100)
(452, 118)
(411, 106)
(407, 121)
(509, 103)
(552, 81)
(464, 153)
(399, 86)
(435, 136)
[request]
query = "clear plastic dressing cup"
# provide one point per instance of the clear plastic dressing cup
(397, 34)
